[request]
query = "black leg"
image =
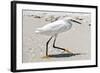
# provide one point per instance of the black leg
(47, 46)
(59, 47)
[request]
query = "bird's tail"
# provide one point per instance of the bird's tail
(38, 30)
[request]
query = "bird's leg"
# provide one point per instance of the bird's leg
(59, 47)
(47, 47)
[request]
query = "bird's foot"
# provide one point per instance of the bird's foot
(67, 50)
(45, 57)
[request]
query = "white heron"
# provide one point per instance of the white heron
(54, 28)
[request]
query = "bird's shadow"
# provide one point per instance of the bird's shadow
(64, 55)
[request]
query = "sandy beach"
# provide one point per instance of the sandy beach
(77, 39)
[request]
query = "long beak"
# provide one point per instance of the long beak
(75, 21)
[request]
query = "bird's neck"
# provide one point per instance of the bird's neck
(69, 22)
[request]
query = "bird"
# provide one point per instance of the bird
(54, 28)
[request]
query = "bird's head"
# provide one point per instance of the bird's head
(72, 20)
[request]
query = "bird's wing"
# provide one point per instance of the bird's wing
(53, 25)
(52, 28)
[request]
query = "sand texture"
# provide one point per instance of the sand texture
(77, 39)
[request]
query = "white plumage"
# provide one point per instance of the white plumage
(55, 27)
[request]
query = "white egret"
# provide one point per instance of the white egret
(54, 28)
